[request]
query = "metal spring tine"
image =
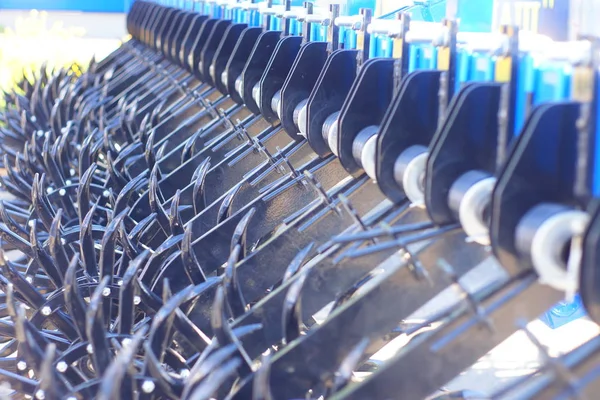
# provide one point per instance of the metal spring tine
(223, 333)
(83, 192)
(160, 153)
(159, 256)
(115, 382)
(205, 365)
(226, 207)
(175, 223)
(199, 191)
(261, 389)
(209, 386)
(231, 285)
(191, 265)
(51, 385)
(156, 203)
(130, 249)
(51, 167)
(149, 154)
(115, 176)
(40, 202)
(96, 330)
(291, 317)
(107, 254)
(86, 243)
(11, 224)
(73, 300)
(43, 259)
(171, 386)
(55, 244)
(127, 293)
(239, 234)
(350, 364)
(144, 224)
(127, 192)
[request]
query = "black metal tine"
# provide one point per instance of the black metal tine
(297, 263)
(87, 245)
(175, 223)
(199, 192)
(233, 292)
(350, 364)
(11, 224)
(107, 254)
(83, 192)
(17, 241)
(226, 207)
(205, 365)
(239, 234)
(209, 386)
(292, 325)
(127, 293)
(149, 154)
(261, 389)
(138, 230)
(171, 386)
(43, 259)
(74, 302)
(115, 176)
(130, 249)
(51, 386)
(56, 243)
(95, 328)
(160, 254)
(115, 382)
(44, 213)
(156, 203)
(191, 265)
(222, 330)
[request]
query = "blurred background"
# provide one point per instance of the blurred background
(59, 32)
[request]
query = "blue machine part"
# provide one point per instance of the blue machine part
(564, 312)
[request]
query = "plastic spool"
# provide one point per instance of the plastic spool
(330, 132)
(256, 93)
(543, 233)
(224, 76)
(470, 196)
(300, 117)
(276, 104)
(364, 149)
(409, 172)
(239, 86)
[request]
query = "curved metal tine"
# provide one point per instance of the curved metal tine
(12, 226)
(156, 199)
(87, 244)
(175, 223)
(159, 256)
(209, 386)
(261, 388)
(461, 339)
(118, 180)
(204, 366)
(83, 192)
(74, 302)
(343, 375)
(127, 294)
(191, 265)
(107, 254)
(51, 386)
(170, 385)
(234, 297)
(199, 180)
(292, 325)
(40, 204)
(116, 382)
(226, 208)
(220, 325)
(297, 263)
(125, 195)
(96, 329)
(56, 244)
(43, 259)
(239, 235)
